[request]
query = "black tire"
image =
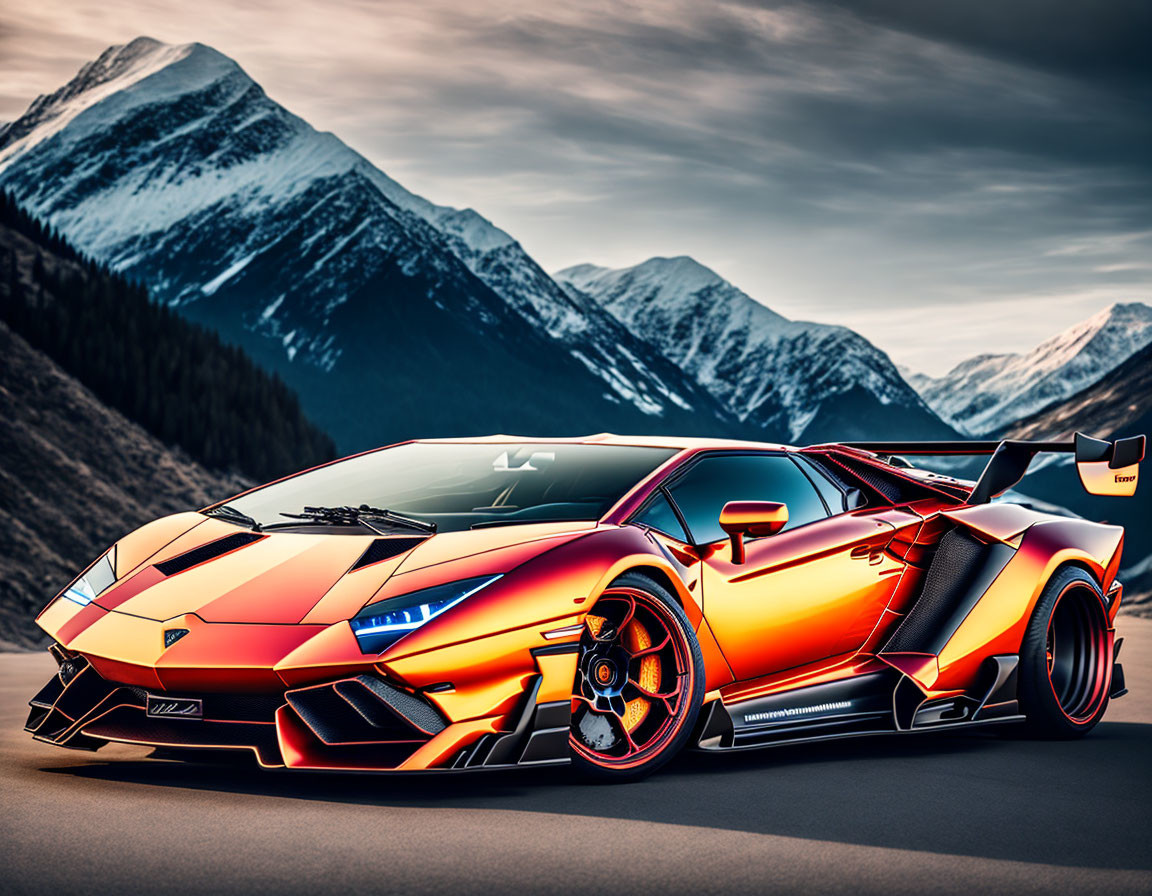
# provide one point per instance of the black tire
(1065, 670)
(595, 718)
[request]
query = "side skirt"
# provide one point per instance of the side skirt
(876, 703)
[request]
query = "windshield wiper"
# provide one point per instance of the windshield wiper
(352, 516)
(230, 514)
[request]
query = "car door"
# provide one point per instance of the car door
(814, 590)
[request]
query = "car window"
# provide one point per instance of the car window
(660, 516)
(714, 481)
(831, 493)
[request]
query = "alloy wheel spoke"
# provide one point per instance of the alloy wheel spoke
(663, 697)
(618, 724)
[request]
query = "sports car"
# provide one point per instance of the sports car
(487, 603)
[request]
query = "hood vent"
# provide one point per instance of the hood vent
(383, 548)
(206, 552)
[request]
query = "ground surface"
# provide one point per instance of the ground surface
(920, 814)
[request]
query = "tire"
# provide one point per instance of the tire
(1065, 670)
(639, 682)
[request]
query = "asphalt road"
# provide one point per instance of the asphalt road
(917, 814)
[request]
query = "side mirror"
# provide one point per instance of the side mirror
(754, 518)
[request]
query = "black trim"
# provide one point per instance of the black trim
(554, 649)
(505, 749)
(716, 730)
(1007, 466)
(385, 548)
(661, 491)
(1118, 687)
(1011, 457)
(942, 448)
(864, 700)
(1000, 695)
(206, 552)
(811, 469)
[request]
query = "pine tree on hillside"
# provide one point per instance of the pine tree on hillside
(175, 378)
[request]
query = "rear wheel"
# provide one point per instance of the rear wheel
(639, 682)
(1065, 663)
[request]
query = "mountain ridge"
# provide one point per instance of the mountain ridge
(200, 177)
(989, 393)
(803, 382)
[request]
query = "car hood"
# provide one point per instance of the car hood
(222, 573)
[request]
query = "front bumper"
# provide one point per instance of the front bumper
(358, 723)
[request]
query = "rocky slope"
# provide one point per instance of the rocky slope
(74, 477)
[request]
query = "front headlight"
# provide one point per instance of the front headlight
(99, 576)
(380, 624)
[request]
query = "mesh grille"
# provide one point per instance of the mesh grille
(363, 709)
(417, 711)
(893, 488)
(945, 583)
(383, 548)
(206, 552)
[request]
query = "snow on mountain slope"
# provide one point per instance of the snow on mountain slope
(798, 381)
(171, 164)
(988, 393)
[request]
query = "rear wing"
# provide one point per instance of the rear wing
(1105, 467)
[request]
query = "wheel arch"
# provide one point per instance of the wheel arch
(659, 568)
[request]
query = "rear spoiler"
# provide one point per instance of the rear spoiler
(1105, 468)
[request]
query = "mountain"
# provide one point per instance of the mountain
(792, 381)
(391, 316)
(988, 393)
(75, 475)
(1117, 405)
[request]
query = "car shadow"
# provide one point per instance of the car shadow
(1077, 803)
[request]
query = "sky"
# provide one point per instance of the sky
(947, 178)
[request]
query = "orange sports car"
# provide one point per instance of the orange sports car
(606, 601)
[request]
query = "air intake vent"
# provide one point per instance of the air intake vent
(383, 548)
(207, 552)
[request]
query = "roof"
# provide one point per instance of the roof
(682, 443)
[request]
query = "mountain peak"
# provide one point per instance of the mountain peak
(790, 379)
(118, 69)
(685, 270)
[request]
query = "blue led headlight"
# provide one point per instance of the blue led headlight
(99, 576)
(380, 624)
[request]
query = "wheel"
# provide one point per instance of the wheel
(1065, 662)
(639, 682)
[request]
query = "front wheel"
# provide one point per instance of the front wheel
(639, 682)
(1065, 660)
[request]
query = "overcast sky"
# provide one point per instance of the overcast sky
(947, 178)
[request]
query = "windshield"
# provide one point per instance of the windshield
(460, 486)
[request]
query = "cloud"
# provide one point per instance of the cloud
(878, 163)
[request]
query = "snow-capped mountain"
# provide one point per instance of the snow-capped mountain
(391, 315)
(988, 393)
(801, 382)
